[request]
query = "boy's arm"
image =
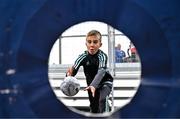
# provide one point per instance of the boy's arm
(72, 71)
(97, 79)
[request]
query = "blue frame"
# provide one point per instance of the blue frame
(30, 28)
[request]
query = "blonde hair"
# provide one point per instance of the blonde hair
(94, 33)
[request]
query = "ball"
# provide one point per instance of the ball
(70, 86)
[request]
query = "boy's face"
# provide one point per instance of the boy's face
(93, 44)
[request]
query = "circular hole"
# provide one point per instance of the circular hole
(123, 63)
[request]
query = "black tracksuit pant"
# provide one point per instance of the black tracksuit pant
(99, 102)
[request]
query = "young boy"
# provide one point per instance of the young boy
(99, 80)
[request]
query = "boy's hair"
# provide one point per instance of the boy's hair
(94, 33)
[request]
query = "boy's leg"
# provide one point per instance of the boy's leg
(94, 104)
(104, 92)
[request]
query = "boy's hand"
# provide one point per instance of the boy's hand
(69, 72)
(92, 89)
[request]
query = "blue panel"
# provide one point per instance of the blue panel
(30, 28)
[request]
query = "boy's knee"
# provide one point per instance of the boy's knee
(102, 100)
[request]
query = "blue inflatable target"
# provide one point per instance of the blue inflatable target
(30, 28)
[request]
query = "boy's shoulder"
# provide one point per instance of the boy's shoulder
(85, 53)
(102, 52)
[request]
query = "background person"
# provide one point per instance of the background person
(119, 54)
(132, 53)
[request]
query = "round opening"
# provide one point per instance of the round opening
(123, 64)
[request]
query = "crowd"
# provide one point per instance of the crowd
(120, 55)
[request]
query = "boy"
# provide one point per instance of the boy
(94, 62)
